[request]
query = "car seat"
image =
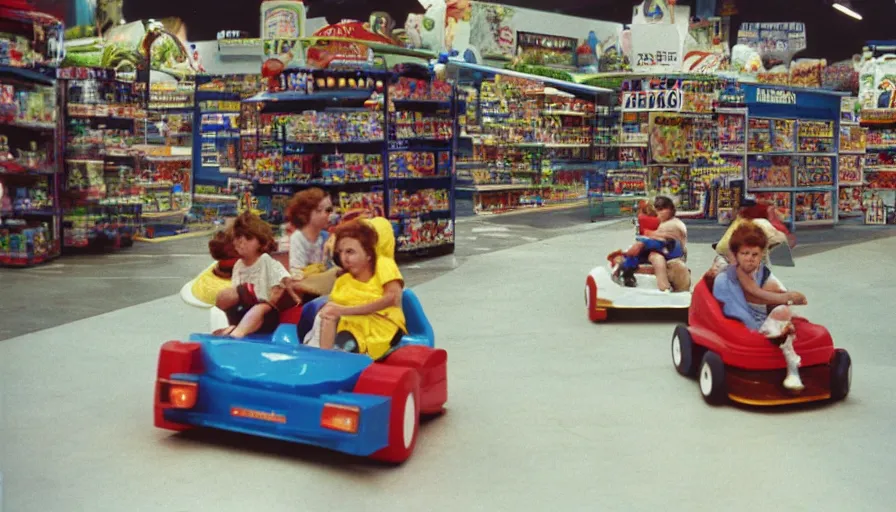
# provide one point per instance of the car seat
(420, 331)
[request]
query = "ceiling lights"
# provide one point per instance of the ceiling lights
(845, 7)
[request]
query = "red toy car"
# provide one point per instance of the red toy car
(738, 364)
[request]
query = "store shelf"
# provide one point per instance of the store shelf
(26, 75)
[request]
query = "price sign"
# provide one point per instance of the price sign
(396, 145)
(652, 101)
(281, 190)
(293, 148)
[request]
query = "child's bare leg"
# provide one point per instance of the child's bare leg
(252, 321)
(227, 298)
(659, 269)
(778, 324)
(328, 333)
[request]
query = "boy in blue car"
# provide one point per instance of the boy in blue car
(667, 242)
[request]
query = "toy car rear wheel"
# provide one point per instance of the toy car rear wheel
(841, 374)
(402, 386)
(712, 379)
(595, 314)
(683, 352)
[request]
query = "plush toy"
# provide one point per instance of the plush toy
(203, 290)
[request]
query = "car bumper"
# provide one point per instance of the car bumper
(286, 416)
(765, 388)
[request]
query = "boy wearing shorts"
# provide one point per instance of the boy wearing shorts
(667, 242)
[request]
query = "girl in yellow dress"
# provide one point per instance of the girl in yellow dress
(364, 312)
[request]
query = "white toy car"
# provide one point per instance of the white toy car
(602, 292)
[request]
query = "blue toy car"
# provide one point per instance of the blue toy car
(276, 387)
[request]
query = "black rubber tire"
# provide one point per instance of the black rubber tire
(711, 379)
(841, 375)
(685, 364)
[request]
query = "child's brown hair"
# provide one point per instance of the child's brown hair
(302, 205)
(249, 225)
(221, 246)
(747, 234)
(363, 233)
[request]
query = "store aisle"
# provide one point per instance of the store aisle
(546, 411)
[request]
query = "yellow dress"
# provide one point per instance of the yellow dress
(373, 332)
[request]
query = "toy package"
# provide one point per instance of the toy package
(331, 127)
(816, 136)
(807, 72)
(814, 171)
(769, 172)
(784, 130)
(780, 201)
(853, 139)
(732, 133)
(850, 201)
(404, 202)
(413, 165)
(849, 170)
(814, 206)
(759, 137)
(667, 138)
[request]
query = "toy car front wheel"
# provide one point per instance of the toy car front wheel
(402, 386)
(712, 379)
(841, 374)
(683, 351)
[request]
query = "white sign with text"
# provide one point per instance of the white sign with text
(652, 101)
(656, 49)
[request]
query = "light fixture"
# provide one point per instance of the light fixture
(845, 7)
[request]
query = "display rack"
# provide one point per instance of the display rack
(216, 145)
(793, 147)
(166, 163)
(879, 190)
(30, 147)
(378, 141)
(533, 139)
(851, 162)
(102, 197)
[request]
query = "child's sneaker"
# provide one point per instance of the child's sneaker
(794, 383)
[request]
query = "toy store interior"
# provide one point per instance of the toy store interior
(116, 132)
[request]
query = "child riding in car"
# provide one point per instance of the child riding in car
(260, 284)
(750, 293)
(364, 313)
(667, 242)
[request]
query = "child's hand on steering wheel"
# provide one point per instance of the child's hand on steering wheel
(797, 298)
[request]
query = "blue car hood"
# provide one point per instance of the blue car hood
(303, 370)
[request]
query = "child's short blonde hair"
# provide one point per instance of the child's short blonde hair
(646, 208)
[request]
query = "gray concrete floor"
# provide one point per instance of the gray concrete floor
(546, 410)
(77, 287)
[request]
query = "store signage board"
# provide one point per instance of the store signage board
(656, 48)
(776, 41)
(669, 100)
(775, 96)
